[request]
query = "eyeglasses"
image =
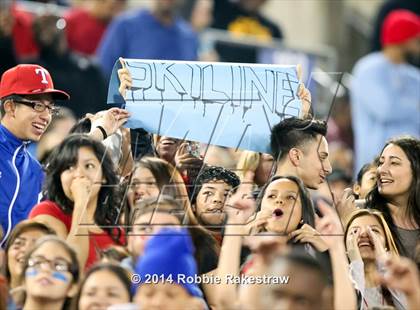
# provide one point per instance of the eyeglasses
(40, 262)
(37, 106)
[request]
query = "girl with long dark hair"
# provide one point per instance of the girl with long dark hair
(84, 205)
(397, 191)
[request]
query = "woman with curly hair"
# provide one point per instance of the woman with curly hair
(211, 188)
(83, 204)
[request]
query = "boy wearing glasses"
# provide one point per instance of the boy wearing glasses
(27, 97)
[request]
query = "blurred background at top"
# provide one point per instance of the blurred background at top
(79, 41)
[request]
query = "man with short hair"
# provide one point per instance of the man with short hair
(27, 97)
(301, 150)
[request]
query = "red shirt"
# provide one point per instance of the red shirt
(84, 32)
(23, 39)
(97, 241)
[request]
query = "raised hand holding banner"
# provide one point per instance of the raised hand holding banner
(226, 104)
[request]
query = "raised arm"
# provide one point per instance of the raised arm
(329, 226)
(125, 78)
(239, 211)
(304, 95)
(403, 275)
(78, 236)
(106, 123)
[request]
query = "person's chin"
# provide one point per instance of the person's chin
(35, 137)
(35, 133)
(276, 228)
(385, 191)
(167, 156)
(313, 186)
(367, 256)
(215, 221)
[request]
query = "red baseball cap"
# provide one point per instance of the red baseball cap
(400, 26)
(29, 80)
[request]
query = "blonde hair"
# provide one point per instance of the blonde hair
(248, 161)
(389, 240)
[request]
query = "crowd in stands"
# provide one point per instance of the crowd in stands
(95, 215)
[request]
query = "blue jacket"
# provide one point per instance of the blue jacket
(21, 179)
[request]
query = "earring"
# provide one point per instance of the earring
(301, 221)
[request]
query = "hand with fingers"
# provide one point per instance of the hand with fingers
(307, 234)
(258, 222)
(378, 244)
(402, 275)
(240, 210)
(266, 245)
(125, 78)
(110, 120)
(346, 204)
(240, 207)
(185, 161)
(352, 246)
(81, 189)
(329, 226)
(303, 94)
(331, 230)
(248, 165)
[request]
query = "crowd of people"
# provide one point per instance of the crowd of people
(98, 216)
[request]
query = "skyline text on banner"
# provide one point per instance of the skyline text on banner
(226, 104)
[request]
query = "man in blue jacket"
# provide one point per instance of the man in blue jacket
(27, 97)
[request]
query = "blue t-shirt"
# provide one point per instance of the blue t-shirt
(385, 99)
(141, 35)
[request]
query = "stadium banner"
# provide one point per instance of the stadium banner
(226, 104)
